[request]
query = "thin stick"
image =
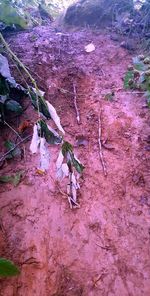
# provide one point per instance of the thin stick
(100, 145)
(75, 103)
(12, 149)
(13, 129)
(129, 92)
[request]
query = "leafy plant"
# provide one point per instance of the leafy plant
(27, 13)
(15, 153)
(138, 76)
(7, 268)
(128, 80)
(43, 133)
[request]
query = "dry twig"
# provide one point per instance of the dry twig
(100, 144)
(12, 129)
(75, 103)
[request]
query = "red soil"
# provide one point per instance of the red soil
(102, 248)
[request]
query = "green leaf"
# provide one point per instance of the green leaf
(38, 102)
(17, 178)
(15, 153)
(13, 179)
(48, 133)
(128, 80)
(66, 147)
(139, 65)
(5, 179)
(7, 268)
(10, 14)
(13, 106)
(76, 163)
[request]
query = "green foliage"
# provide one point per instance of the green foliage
(67, 151)
(26, 13)
(139, 77)
(15, 153)
(10, 14)
(7, 268)
(42, 132)
(48, 133)
(37, 99)
(66, 147)
(128, 80)
(13, 179)
(13, 106)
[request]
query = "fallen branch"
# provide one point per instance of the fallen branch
(100, 145)
(12, 149)
(75, 103)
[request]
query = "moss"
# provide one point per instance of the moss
(11, 15)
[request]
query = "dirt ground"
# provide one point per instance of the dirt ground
(102, 248)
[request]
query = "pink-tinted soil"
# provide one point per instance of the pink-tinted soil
(102, 248)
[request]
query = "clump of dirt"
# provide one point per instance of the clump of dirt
(102, 248)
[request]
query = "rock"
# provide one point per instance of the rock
(98, 12)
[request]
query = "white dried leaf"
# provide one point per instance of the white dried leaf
(59, 160)
(74, 188)
(55, 116)
(90, 47)
(53, 131)
(35, 140)
(44, 155)
(39, 92)
(62, 168)
(63, 171)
